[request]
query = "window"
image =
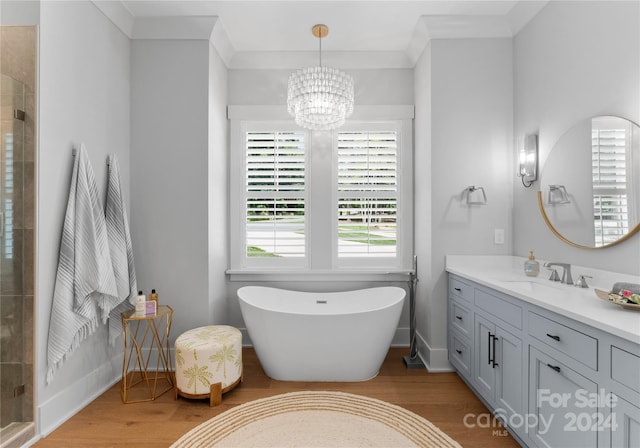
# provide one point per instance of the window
(321, 201)
(609, 169)
(367, 193)
(275, 194)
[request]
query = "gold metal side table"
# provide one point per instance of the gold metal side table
(141, 336)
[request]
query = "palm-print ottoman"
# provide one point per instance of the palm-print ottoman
(208, 362)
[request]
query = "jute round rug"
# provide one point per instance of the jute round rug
(316, 419)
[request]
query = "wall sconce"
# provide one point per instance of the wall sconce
(528, 159)
(557, 195)
(475, 195)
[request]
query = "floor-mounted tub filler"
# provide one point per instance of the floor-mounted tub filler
(311, 336)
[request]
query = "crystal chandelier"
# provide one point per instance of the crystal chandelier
(320, 98)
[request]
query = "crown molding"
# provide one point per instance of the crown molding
(186, 27)
(522, 13)
(180, 28)
(220, 41)
(457, 27)
(428, 27)
(118, 14)
(472, 27)
(292, 60)
(183, 27)
(467, 27)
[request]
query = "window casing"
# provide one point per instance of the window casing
(327, 201)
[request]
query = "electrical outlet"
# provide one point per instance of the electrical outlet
(498, 236)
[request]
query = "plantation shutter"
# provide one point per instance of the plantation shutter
(275, 194)
(611, 219)
(367, 193)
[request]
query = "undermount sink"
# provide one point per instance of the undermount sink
(532, 286)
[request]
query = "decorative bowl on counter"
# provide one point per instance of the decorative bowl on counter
(626, 298)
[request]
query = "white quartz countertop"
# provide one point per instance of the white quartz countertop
(506, 274)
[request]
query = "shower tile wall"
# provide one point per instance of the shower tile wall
(17, 211)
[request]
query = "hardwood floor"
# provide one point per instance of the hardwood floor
(442, 398)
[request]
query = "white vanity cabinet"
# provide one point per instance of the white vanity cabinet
(554, 381)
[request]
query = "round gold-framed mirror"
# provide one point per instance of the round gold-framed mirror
(589, 193)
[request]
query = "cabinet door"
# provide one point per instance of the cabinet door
(557, 415)
(509, 378)
(484, 372)
(625, 424)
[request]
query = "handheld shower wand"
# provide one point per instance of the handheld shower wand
(412, 361)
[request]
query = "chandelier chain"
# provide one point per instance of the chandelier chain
(320, 46)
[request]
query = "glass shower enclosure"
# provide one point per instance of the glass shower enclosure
(17, 253)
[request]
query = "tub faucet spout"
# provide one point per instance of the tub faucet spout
(566, 271)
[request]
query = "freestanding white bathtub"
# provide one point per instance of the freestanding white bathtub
(308, 336)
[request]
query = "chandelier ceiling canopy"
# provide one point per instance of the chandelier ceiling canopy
(320, 98)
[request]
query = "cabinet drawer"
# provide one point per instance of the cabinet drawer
(460, 355)
(576, 345)
(461, 289)
(502, 309)
(460, 318)
(625, 368)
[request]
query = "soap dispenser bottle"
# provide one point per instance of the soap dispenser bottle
(531, 266)
(140, 305)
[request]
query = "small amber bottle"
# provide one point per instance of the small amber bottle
(153, 296)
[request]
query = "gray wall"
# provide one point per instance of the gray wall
(170, 187)
(463, 137)
(574, 60)
(84, 90)
(218, 191)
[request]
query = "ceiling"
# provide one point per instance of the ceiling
(380, 29)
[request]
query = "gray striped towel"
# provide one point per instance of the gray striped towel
(84, 279)
(121, 249)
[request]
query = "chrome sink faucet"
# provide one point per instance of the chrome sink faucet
(566, 271)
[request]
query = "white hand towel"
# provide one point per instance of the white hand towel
(121, 249)
(84, 277)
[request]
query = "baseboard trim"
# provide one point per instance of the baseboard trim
(435, 359)
(68, 402)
